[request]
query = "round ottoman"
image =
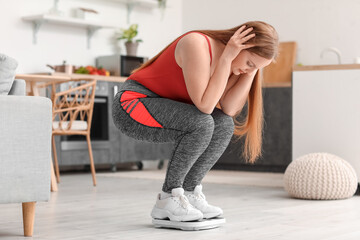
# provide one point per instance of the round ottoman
(320, 176)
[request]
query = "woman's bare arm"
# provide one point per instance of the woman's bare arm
(194, 59)
(235, 97)
(192, 54)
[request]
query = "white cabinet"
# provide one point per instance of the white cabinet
(326, 114)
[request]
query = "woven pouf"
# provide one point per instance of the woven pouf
(320, 176)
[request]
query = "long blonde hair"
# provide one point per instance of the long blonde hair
(266, 45)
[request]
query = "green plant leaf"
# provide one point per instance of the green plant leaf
(129, 34)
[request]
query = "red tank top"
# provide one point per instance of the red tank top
(164, 76)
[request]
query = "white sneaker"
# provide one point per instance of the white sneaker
(176, 208)
(198, 200)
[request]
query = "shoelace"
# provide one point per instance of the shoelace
(200, 197)
(184, 202)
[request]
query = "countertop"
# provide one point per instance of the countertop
(39, 77)
(45, 77)
(97, 77)
(326, 67)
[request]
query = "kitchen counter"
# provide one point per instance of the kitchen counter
(326, 114)
(97, 77)
(326, 67)
(46, 77)
(33, 80)
(64, 76)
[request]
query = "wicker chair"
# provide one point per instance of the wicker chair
(72, 113)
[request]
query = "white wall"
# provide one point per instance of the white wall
(59, 42)
(313, 24)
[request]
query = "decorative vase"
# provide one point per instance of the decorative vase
(131, 48)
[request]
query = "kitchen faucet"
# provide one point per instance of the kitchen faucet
(334, 50)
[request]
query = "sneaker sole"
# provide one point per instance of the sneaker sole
(158, 213)
(211, 215)
(190, 226)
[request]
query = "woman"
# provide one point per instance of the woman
(190, 93)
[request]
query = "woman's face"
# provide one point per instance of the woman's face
(247, 62)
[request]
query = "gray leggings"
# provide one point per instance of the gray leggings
(200, 139)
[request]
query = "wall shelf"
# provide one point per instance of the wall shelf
(91, 26)
(144, 3)
(130, 4)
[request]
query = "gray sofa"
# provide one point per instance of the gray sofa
(25, 150)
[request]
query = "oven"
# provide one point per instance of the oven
(120, 65)
(99, 132)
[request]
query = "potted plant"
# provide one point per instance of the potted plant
(130, 43)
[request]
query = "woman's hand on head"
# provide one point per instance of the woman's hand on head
(237, 43)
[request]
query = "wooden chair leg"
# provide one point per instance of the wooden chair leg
(55, 160)
(28, 209)
(91, 159)
(54, 187)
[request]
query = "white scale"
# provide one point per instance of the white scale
(190, 226)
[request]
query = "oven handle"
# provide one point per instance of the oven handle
(116, 89)
(97, 100)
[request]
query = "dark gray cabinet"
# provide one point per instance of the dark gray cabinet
(276, 136)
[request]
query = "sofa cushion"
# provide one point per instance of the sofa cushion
(8, 66)
(76, 125)
(18, 88)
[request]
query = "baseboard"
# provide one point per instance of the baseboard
(253, 168)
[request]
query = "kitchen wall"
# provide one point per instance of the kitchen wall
(60, 42)
(313, 24)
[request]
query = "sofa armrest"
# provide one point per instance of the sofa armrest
(25, 148)
(18, 88)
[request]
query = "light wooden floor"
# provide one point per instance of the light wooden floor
(119, 208)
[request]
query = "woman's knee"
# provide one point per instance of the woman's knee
(205, 124)
(116, 114)
(223, 122)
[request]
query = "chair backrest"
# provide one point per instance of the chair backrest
(280, 71)
(72, 100)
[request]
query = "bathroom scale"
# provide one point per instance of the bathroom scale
(191, 225)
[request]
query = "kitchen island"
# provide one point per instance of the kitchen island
(326, 111)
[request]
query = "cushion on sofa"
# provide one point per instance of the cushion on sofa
(8, 66)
